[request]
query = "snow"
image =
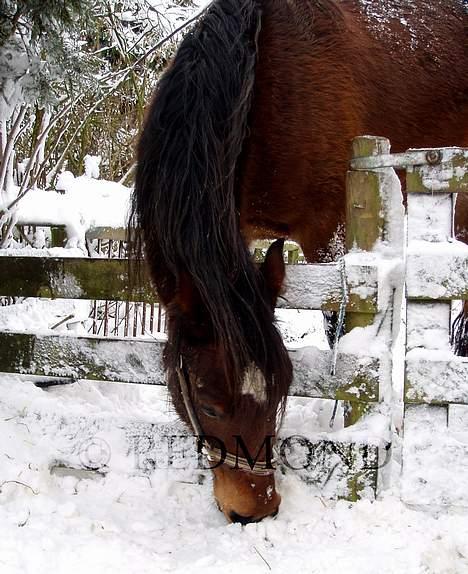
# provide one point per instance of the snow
(92, 164)
(437, 270)
(428, 325)
(301, 328)
(363, 342)
(61, 521)
(40, 315)
(435, 452)
(85, 203)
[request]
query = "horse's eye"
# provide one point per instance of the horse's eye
(209, 411)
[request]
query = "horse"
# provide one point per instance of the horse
(247, 137)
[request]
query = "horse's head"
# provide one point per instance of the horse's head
(233, 396)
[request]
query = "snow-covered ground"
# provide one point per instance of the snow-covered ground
(55, 520)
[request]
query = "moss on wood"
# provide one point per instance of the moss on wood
(71, 278)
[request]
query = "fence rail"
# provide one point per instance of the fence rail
(139, 361)
(307, 286)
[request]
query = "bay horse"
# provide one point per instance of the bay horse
(248, 137)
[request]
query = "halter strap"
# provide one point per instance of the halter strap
(213, 454)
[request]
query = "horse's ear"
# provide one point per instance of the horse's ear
(188, 306)
(273, 270)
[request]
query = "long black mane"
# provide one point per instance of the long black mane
(184, 206)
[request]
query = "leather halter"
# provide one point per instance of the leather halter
(213, 454)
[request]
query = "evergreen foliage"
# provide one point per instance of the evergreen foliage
(75, 77)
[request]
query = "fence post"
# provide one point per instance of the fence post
(364, 210)
(365, 225)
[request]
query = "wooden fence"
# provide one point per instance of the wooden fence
(435, 449)
(373, 290)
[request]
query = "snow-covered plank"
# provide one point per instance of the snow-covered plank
(320, 287)
(307, 286)
(437, 270)
(139, 361)
(356, 377)
(82, 358)
(101, 444)
(430, 217)
(436, 376)
(435, 459)
(428, 325)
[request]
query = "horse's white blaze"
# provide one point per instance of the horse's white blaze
(254, 384)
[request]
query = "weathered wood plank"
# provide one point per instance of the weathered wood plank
(407, 159)
(436, 377)
(82, 358)
(437, 270)
(428, 325)
(307, 286)
(139, 361)
(364, 216)
(70, 278)
(365, 224)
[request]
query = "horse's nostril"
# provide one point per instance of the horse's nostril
(241, 519)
